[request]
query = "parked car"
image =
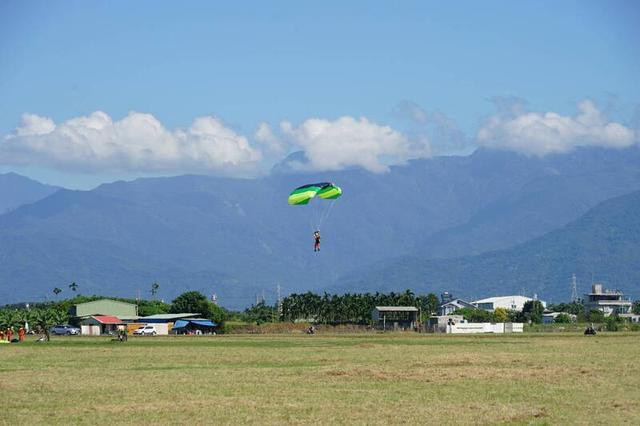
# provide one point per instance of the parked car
(66, 330)
(147, 330)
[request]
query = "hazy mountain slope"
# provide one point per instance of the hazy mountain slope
(16, 190)
(603, 243)
(541, 205)
(236, 237)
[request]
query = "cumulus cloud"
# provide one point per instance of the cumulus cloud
(539, 134)
(346, 142)
(136, 143)
(272, 143)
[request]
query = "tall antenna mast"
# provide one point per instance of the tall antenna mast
(574, 289)
(279, 302)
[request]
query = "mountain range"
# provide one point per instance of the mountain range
(425, 225)
(602, 245)
(16, 190)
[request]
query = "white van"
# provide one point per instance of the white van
(146, 330)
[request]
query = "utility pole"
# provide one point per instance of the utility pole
(279, 302)
(574, 289)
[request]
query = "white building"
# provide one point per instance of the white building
(607, 301)
(511, 303)
(451, 306)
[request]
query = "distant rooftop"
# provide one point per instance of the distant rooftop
(396, 308)
(168, 316)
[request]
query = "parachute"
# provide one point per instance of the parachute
(304, 193)
(318, 210)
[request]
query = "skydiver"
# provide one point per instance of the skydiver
(316, 236)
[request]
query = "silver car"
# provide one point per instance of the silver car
(66, 330)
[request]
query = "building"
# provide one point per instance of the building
(438, 324)
(165, 318)
(511, 303)
(395, 317)
(164, 322)
(451, 306)
(606, 301)
(634, 318)
(100, 324)
(104, 307)
(445, 297)
(550, 317)
(194, 326)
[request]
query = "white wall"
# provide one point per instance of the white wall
(90, 330)
(484, 327)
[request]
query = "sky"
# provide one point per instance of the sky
(97, 91)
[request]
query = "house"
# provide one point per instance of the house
(100, 324)
(511, 303)
(395, 317)
(451, 306)
(606, 301)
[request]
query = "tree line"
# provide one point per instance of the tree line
(41, 317)
(348, 308)
(356, 308)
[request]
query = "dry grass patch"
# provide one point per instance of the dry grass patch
(341, 379)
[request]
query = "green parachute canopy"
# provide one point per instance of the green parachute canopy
(324, 190)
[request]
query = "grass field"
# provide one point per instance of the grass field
(345, 379)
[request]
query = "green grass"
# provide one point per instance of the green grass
(540, 378)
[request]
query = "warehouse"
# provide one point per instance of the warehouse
(395, 317)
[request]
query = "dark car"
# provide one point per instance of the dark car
(65, 330)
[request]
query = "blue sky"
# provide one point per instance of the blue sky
(284, 63)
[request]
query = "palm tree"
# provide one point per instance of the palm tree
(57, 291)
(154, 289)
(43, 319)
(73, 286)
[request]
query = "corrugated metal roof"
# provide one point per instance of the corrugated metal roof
(396, 308)
(168, 316)
(105, 300)
(106, 319)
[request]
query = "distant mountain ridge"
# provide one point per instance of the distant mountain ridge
(239, 237)
(604, 244)
(16, 190)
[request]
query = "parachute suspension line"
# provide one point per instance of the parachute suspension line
(326, 213)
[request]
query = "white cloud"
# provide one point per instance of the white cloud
(264, 135)
(539, 134)
(345, 142)
(136, 143)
